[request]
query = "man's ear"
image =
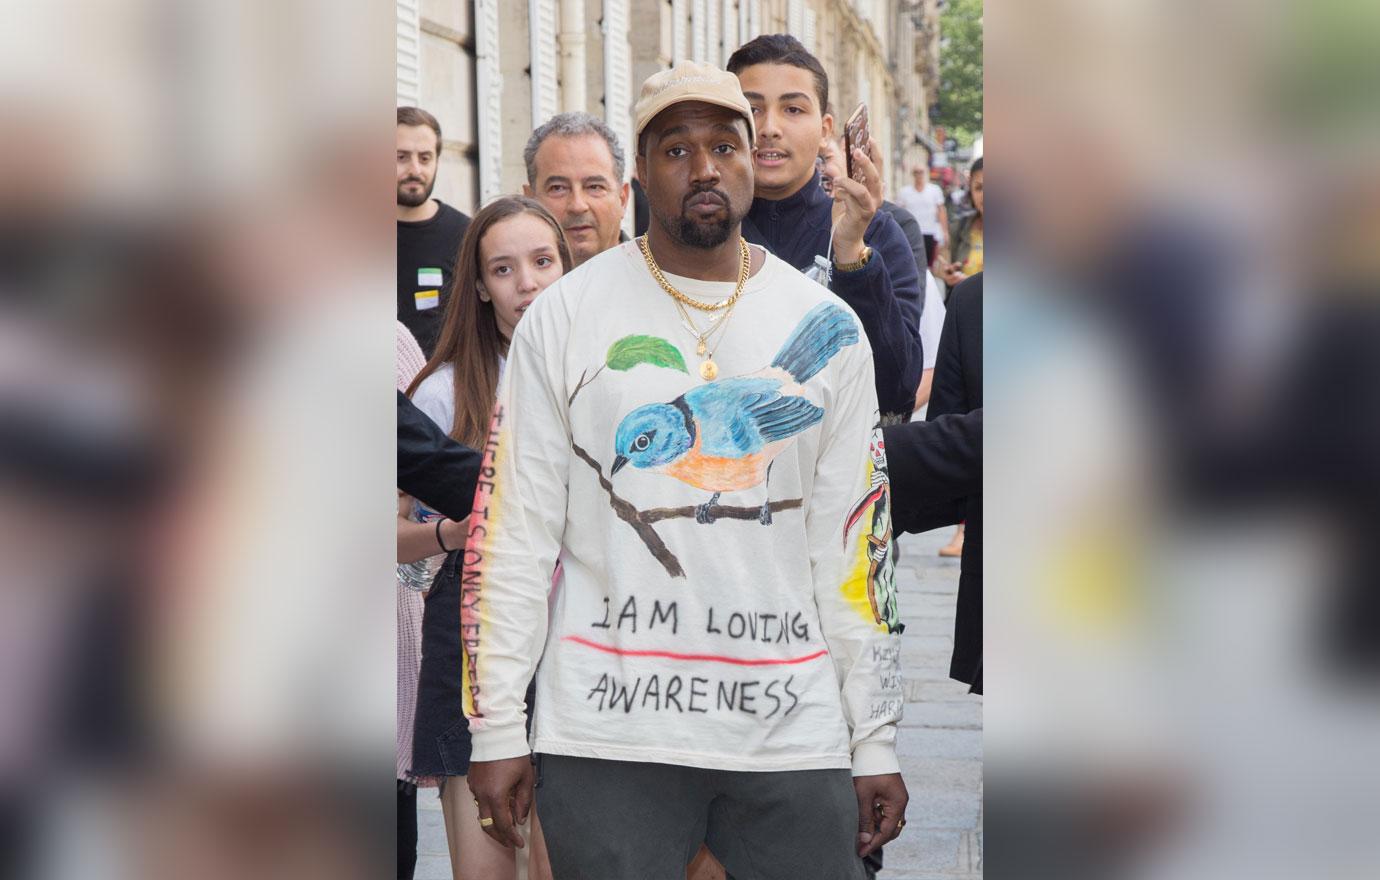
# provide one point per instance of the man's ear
(826, 124)
(641, 165)
(623, 194)
(527, 190)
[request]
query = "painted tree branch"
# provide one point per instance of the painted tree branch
(583, 382)
(629, 514)
(717, 511)
(641, 520)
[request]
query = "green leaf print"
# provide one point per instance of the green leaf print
(630, 351)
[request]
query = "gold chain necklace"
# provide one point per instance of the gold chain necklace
(709, 369)
(743, 272)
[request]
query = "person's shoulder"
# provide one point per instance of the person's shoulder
(452, 216)
(435, 395)
(901, 215)
(560, 303)
(884, 231)
(960, 220)
(965, 300)
(598, 272)
(802, 294)
(441, 377)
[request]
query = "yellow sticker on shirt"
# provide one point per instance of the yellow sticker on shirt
(427, 299)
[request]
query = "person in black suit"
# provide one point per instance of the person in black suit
(936, 466)
(433, 467)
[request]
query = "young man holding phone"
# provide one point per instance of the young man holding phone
(843, 240)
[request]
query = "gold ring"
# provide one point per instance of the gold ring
(485, 823)
(901, 824)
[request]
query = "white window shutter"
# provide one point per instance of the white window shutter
(795, 18)
(409, 54)
(618, 98)
(699, 37)
(679, 43)
(809, 36)
(711, 29)
(754, 19)
(543, 59)
(731, 41)
(489, 90)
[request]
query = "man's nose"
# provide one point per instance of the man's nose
(768, 125)
(578, 203)
(703, 168)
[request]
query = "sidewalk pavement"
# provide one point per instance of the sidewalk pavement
(939, 742)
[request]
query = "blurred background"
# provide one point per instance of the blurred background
(196, 242)
(1182, 468)
(196, 445)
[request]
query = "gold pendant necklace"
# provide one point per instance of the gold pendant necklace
(709, 369)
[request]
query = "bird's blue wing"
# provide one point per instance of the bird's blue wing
(781, 417)
(724, 414)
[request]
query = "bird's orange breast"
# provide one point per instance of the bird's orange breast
(717, 474)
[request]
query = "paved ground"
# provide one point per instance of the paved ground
(940, 740)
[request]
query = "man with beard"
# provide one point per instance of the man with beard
(429, 231)
(575, 169)
(854, 249)
(688, 424)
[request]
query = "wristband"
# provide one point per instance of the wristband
(439, 542)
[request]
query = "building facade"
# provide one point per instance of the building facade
(492, 71)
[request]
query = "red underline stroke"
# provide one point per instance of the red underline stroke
(711, 658)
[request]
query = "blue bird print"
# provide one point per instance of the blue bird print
(723, 436)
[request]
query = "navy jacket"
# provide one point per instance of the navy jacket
(886, 293)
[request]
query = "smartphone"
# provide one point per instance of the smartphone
(855, 136)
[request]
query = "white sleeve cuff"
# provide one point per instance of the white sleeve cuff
(496, 744)
(875, 759)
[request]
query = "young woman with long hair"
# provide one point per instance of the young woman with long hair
(512, 251)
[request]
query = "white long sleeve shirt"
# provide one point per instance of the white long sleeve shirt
(730, 643)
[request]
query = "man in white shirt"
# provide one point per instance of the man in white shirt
(925, 200)
(690, 425)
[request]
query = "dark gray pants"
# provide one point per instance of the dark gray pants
(618, 820)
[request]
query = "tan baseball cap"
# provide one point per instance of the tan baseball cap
(689, 81)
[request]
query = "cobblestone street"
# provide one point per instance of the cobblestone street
(940, 740)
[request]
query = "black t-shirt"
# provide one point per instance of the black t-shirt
(426, 267)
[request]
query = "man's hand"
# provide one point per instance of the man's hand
(854, 207)
(503, 791)
(881, 810)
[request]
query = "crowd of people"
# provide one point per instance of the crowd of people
(647, 613)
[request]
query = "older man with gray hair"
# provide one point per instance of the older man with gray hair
(575, 168)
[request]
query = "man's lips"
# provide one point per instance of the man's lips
(578, 230)
(771, 158)
(706, 203)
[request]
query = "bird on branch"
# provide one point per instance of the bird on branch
(724, 435)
